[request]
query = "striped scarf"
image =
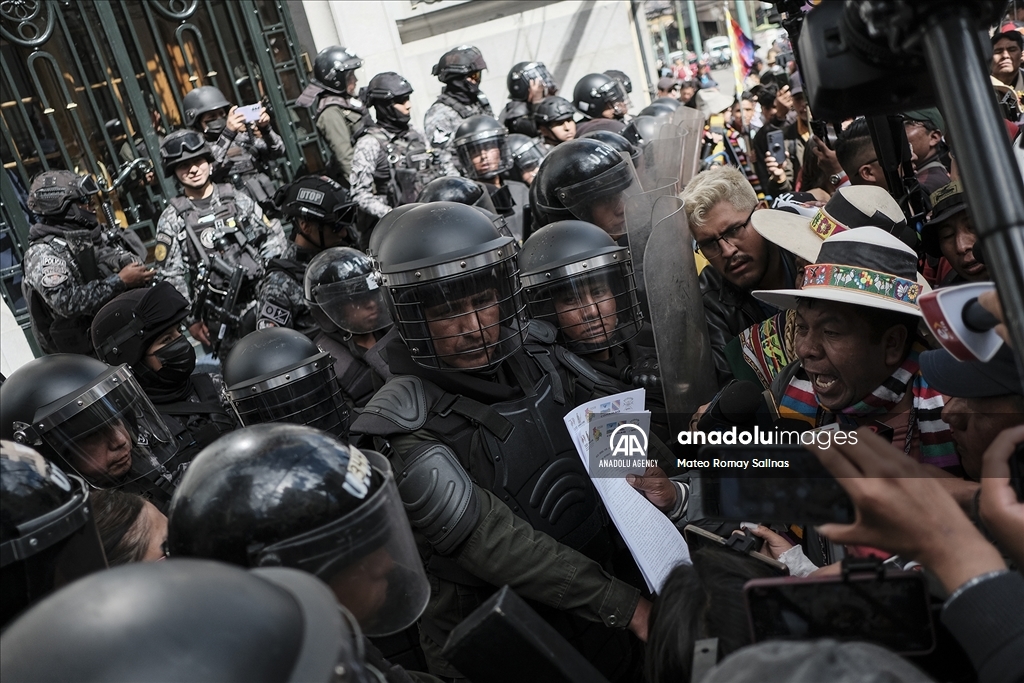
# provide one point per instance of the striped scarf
(936, 440)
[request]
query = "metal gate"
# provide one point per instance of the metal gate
(88, 85)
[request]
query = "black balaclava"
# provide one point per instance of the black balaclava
(463, 89)
(214, 128)
(389, 119)
(172, 382)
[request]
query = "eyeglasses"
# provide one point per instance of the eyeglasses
(712, 248)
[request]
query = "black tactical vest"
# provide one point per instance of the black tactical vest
(57, 334)
(403, 168)
(355, 377)
(482, 106)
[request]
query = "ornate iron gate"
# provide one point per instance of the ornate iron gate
(87, 85)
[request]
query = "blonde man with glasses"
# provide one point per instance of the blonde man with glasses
(718, 204)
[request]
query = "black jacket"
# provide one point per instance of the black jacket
(729, 310)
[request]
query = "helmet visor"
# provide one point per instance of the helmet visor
(355, 305)
(535, 71)
(111, 434)
(593, 310)
(368, 557)
(485, 158)
(601, 199)
(470, 321)
(528, 157)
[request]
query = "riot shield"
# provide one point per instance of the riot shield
(691, 122)
(654, 208)
(677, 315)
(660, 161)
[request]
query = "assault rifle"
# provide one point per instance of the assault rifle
(217, 306)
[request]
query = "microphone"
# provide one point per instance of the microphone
(959, 323)
(978, 319)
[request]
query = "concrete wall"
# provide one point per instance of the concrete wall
(572, 38)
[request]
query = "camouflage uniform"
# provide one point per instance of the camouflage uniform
(443, 118)
(59, 295)
(281, 301)
(240, 157)
(339, 120)
(177, 256)
(375, 167)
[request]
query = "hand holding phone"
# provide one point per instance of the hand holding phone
(251, 112)
(776, 146)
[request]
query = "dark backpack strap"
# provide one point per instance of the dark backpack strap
(475, 412)
(542, 354)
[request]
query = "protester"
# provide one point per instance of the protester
(949, 234)
(924, 132)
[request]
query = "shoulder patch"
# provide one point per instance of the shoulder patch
(400, 406)
(160, 252)
(272, 315)
(53, 277)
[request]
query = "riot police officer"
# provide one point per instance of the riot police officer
(391, 163)
(323, 215)
(599, 96)
(47, 533)
(482, 147)
(457, 189)
(142, 328)
(279, 375)
(69, 272)
(210, 244)
(460, 70)
(93, 420)
(241, 149)
(473, 420)
(555, 120)
(336, 514)
(617, 142)
(340, 115)
(588, 180)
(528, 84)
(348, 305)
(527, 153)
(192, 620)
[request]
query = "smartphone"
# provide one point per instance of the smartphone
(700, 538)
(892, 611)
(251, 112)
(775, 146)
(784, 484)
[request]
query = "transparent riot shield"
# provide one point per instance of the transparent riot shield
(691, 123)
(677, 315)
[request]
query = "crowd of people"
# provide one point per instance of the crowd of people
(336, 407)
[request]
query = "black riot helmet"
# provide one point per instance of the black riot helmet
(331, 67)
(319, 199)
(129, 323)
(199, 101)
(588, 180)
(453, 286)
(278, 375)
(596, 92)
(527, 153)
(342, 291)
(458, 63)
(552, 110)
(188, 620)
(615, 141)
(658, 110)
(622, 78)
(293, 496)
(53, 192)
(388, 219)
(642, 130)
(517, 118)
(482, 146)
(578, 279)
(383, 91)
(522, 74)
(671, 102)
(90, 418)
(183, 145)
(455, 189)
(47, 533)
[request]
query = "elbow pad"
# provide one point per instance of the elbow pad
(438, 496)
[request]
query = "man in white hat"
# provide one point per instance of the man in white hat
(856, 345)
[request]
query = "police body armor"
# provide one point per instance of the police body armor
(193, 424)
(499, 441)
(355, 129)
(68, 335)
(482, 106)
(404, 167)
(241, 169)
(355, 377)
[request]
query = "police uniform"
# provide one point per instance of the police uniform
(281, 301)
(444, 117)
(228, 225)
(62, 294)
(339, 120)
(240, 158)
(389, 170)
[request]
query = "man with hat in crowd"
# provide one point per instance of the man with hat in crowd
(949, 233)
(69, 273)
(323, 214)
(1005, 72)
(668, 87)
(924, 129)
(719, 204)
(798, 225)
(857, 348)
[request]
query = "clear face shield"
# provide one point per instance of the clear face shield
(110, 434)
(592, 302)
(615, 96)
(535, 71)
(368, 557)
(601, 199)
(306, 394)
(355, 305)
(528, 157)
(463, 321)
(484, 157)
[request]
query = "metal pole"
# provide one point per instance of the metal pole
(989, 173)
(741, 17)
(664, 43)
(636, 8)
(698, 44)
(679, 24)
